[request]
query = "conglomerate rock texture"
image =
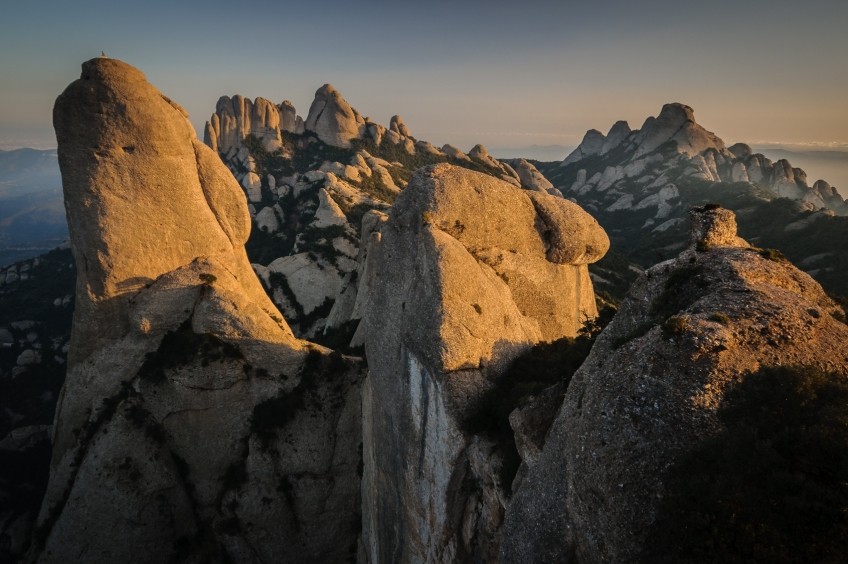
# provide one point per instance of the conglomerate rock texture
(185, 384)
(467, 273)
(690, 330)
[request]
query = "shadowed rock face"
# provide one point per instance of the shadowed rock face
(690, 330)
(467, 273)
(191, 419)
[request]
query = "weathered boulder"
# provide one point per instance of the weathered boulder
(191, 419)
(466, 273)
(397, 125)
(690, 331)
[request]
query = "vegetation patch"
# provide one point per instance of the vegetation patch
(772, 254)
(771, 486)
(182, 347)
(683, 287)
(143, 419)
(675, 326)
(543, 367)
(719, 317)
(338, 338)
(276, 412)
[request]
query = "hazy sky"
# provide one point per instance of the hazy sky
(507, 74)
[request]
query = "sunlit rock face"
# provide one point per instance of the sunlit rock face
(332, 119)
(466, 273)
(653, 389)
(191, 420)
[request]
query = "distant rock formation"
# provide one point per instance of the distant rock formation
(676, 123)
(467, 273)
(690, 331)
(332, 119)
(191, 419)
(531, 178)
(627, 162)
(592, 143)
(237, 117)
(308, 185)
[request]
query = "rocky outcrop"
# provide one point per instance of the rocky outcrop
(191, 419)
(692, 332)
(642, 187)
(676, 122)
(237, 117)
(467, 273)
(397, 125)
(673, 148)
(677, 145)
(619, 131)
(332, 119)
(591, 144)
(531, 178)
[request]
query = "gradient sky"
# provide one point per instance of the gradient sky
(506, 74)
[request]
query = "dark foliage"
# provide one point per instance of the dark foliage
(546, 366)
(683, 286)
(772, 486)
(276, 412)
(183, 347)
(338, 338)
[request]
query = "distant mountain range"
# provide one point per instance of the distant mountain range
(640, 185)
(32, 216)
(831, 165)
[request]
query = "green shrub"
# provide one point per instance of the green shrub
(546, 365)
(719, 317)
(675, 326)
(772, 254)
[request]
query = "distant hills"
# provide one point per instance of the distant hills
(32, 216)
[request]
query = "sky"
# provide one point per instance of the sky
(505, 74)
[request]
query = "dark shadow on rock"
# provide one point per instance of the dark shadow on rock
(772, 486)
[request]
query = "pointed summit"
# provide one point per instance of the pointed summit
(676, 122)
(332, 119)
(617, 134)
(591, 145)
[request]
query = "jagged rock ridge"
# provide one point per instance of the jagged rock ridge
(639, 184)
(309, 184)
(698, 153)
